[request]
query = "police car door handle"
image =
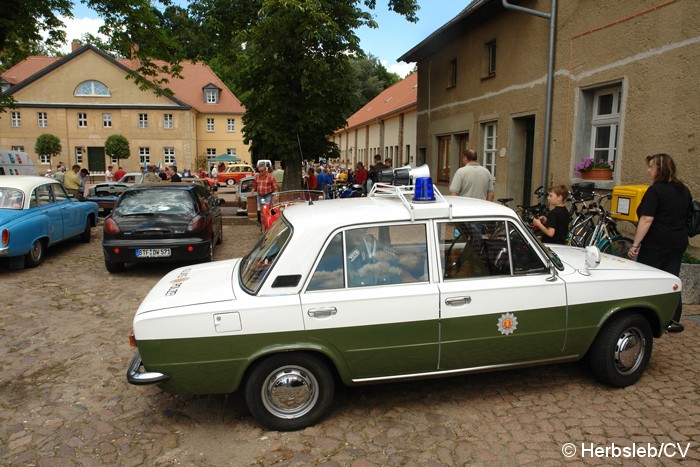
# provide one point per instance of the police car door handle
(313, 312)
(456, 301)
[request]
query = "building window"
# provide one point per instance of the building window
(143, 120)
(231, 151)
(145, 155)
(107, 120)
(17, 148)
(44, 159)
(82, 120)
(490, 135)
(211, 153)
(230, 125)
(168, 121)
(42, 119)
(211, 96)
(210, 124)
(452, 78)
(78, 155)
(601, 110)
(605, 123)
(169, 156)
(91, 89)
(443, 159)
(489, 59)
(16, 119)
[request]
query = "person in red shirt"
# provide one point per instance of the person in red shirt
(264, 185)
(360, 174)
(311, 179)
(119, 173)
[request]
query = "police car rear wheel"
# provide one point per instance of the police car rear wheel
(289, 391)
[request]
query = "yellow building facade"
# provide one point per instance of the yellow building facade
(85, 97)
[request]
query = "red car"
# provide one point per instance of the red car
(234, 173)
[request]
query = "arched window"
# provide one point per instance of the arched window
(91, 89)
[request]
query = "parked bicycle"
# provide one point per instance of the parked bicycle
(528, 213)
(592, 225)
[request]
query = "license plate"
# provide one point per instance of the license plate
(152, 252)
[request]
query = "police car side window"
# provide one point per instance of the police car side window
(385, 255)
(329, 273)
(525, 260)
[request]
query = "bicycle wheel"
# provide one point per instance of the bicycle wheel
(617, 246)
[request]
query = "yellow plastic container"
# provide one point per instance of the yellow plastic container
(626, 200)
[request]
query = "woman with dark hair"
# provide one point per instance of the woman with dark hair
(662, 234)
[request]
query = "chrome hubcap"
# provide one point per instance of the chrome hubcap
(290, 392)
(629, 351)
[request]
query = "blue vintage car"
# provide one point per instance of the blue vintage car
(35, 213)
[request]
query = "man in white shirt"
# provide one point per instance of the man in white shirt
(472, 180)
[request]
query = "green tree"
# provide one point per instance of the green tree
(369, 78)
(48, 145)
(117, 146)
(288, 62)
(132, 25)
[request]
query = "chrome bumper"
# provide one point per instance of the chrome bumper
(135, 376)
(4, 251)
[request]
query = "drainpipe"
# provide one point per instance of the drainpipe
(552, 17)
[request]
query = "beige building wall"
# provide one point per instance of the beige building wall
(221, 139)
(649, 50)
(54, 92)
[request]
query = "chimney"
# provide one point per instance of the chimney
(75, 45)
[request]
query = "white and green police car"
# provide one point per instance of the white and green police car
(385, 288)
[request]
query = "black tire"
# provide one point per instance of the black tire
(220, 238)
(619, 246)
(87, 233)
(230, 182)
(302, 380)
(210, 256)
(622, 350)
(35, 255)
(114, 266)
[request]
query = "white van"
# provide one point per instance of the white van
(16, 163)
(267, 162)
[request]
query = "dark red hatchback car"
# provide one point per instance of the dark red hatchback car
(162, 222)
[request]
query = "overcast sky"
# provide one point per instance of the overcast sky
(394, 37)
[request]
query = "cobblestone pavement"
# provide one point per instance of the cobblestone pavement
(64, 399)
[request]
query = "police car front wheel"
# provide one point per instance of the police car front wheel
(289, 391)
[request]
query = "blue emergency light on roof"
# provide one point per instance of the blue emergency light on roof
(404, 182)
(423, 191)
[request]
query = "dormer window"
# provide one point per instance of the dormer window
(91, 89)
(211, 94)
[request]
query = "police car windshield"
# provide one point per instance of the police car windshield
(256, 265)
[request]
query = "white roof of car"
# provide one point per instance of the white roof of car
(25, 183)
(336, 213)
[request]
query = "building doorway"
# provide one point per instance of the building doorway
(96, 159)
(522, 155)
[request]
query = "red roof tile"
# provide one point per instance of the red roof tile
(27, 68)
(399, 96)
(189, 89)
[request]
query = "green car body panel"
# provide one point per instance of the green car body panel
(217, 365)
